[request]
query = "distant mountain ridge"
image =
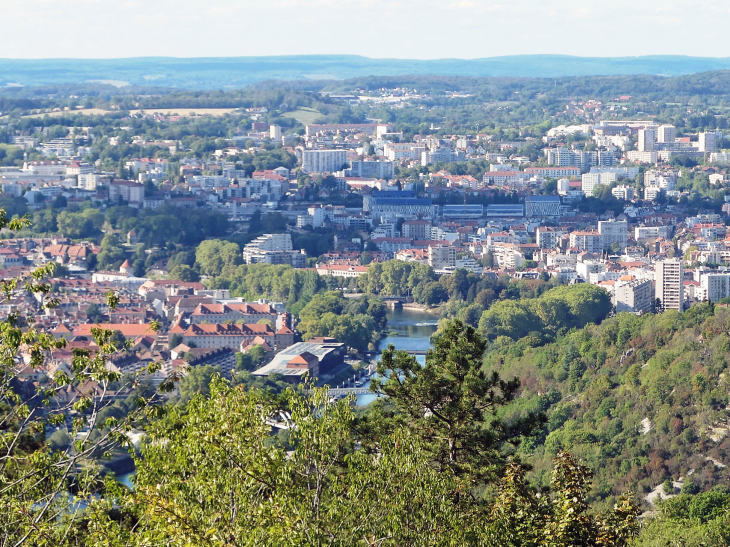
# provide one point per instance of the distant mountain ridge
(234, 72)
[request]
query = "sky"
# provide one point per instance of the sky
(406, 29)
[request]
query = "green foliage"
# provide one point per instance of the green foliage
(632, 396)
(222, 450)
(183, 272)
(452, 403)
(252, 359)
(112, 254)
(197, 381)
(688, 520)
(214, 256)
(356, 322)
(80, 225)
(554, 312)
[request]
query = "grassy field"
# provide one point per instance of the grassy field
(304, 115)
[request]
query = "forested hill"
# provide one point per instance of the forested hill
(231, 72)
(640, 399)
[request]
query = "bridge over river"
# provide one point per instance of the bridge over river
(347, 390)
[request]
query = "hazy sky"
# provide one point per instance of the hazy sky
(417, 29)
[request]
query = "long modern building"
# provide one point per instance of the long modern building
(324, 161)
(370, 169)
(274, 249)
(505, 210)
(395, 204)
(542, 206)
(463, 212)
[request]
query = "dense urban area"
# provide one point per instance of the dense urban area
(184, 272)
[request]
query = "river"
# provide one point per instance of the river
(414, 330)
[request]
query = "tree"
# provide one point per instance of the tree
(93, 313)
(183, 273)
(175, 340)
(197, 381)
(323, 492)
(252, 359)
(433, 294)
(213, 256)
(452, 404)
(34, 499)
(111, 254)
(522, 516)
(59, 440)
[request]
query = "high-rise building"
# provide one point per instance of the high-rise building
(633, 295)
(613, 231)
(707, 142)
(647, 139)
(275, 132)
(548, 237)
(440, 256)
(590, 181)
(666, 133)
(417, 229)
(669, 284)
(715, 286)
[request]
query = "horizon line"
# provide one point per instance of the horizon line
(346, 55)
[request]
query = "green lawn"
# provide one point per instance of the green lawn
(304, 115)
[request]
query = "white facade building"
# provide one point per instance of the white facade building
(669, 284)
(715, 286)
(441, 256)
(614, 231)
(590, 181)
(666, 133)
(323, 161)
(635, 295)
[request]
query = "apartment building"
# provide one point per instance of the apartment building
(548, 237)
(669, 284)
(417, 229)
(370, 169)
(553, 172)
(129, 191)
(714, 287)
(324, 161)
(614, 231)
(590, 181)
(707, 142)
(633, 295)
(587, 241)
(647, 139)
(623, 192)
(441, 256)
(274, 249)
(666, 133)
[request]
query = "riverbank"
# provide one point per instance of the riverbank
(436, 310)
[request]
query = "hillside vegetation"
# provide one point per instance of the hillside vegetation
(641, 400)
